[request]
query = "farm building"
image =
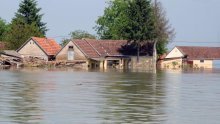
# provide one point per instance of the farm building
(43, 48)
(95, 53)
(191, 56)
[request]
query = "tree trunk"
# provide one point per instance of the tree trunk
(138, 51)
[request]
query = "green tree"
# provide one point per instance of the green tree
(4, 27)
(140, 27)
(131, 20)
(29, 12)
(164, 31)
(114, 19)
(20, 32)
(117, 18)
(79, 34)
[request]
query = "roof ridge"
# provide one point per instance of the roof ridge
(93, 47)
(201, 46)
(74, 42)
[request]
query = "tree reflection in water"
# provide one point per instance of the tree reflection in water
(134, 98)
(22, 99)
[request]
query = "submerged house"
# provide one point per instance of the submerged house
(95, 53)
(43, 48)
(195, 57)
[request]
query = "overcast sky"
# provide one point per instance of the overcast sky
(193, 20)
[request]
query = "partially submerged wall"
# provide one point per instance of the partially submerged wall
(145, 63)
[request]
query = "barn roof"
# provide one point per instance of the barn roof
(197, 52)
(50, 46)
(100, 48)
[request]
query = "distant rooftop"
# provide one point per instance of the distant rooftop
(198, 52)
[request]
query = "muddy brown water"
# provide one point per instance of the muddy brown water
(42, 96)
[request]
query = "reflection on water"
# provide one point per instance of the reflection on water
(92, 97)
(133, 98)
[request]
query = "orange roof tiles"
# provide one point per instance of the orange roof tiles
(50, 46)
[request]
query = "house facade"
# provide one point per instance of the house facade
(95, 53)
(43, 48)
(190, 56)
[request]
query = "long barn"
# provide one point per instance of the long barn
(193, 56)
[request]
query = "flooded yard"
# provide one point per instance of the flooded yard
(37, 96)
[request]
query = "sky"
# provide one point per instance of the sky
(196, 22)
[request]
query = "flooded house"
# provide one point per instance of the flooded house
(95, 53)
(191, 56)
(43, 48)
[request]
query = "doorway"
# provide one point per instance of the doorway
(70, 55)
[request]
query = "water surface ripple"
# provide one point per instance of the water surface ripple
(92, 97)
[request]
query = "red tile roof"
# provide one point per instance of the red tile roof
(50, 46)
(200, 52)
(100, 48)
(113, 46)
(86, 48)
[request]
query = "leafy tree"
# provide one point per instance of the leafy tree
(128, 19)
(3, 28)
(114, 19)
(20, 32)
(164, 31)
(122, 14)
(79, 34)
(29, 12)
(140, 27)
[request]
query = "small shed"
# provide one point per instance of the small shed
(44, 48)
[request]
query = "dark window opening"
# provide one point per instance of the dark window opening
(201, 61)
(70, 47)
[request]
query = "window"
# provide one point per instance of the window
(70, 47)
(201, 61)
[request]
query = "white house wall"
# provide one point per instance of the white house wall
(204, 64)
(175, 53)
(78, 55)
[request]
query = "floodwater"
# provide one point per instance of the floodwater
(38, 96)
